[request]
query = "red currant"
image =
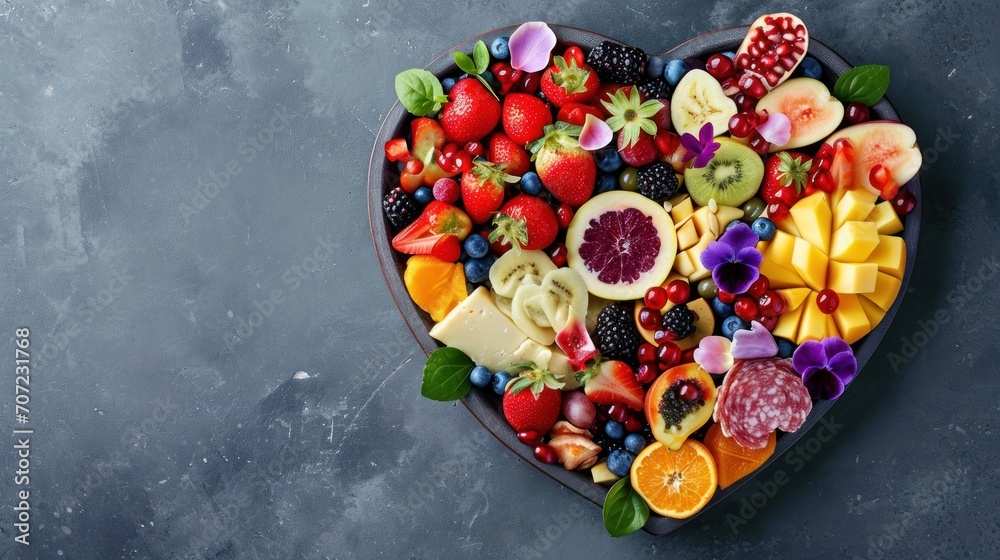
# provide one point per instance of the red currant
(745, 308)
(650, 319)
(635, 422)
(689, 391)
(719, 66)
(741, 124)
(646, 373)
(828, 301)
(462, 161)
(726, 297)
(758, 144)
(449, 150)
(744, 102)
(656, 297)
(529, 82)
(475, 149)
(778, 211)
(414, 166)
(558, 253)
(759, 287)
(545, 453)
(618, 412)
(767, 322)
(904, 203)
(646, 353)
(529, 437)
(668, 354)
(857, 112)
(678, 292)
(564, 215)
(771, 304)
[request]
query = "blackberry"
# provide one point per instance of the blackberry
(400, 208)
(678, 322)
(607, 445)
(657, 181)
(617, 63)
(616, 336)
(655, 88)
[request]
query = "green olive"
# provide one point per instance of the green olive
(752, 209)
(707, 288)
(628, 179)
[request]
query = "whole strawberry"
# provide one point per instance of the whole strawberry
(483, 190)
(566, 82)
(786, 177)
(642, 152)
(525, 222)
(525, 117)
(567, 170)
(471, 113)
(533, 400)
(503, 150)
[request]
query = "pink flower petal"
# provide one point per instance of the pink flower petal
(595, 134)
(531, 46)
(777, 129)
(755, 343)
(713, 354)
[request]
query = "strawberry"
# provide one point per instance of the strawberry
(525, 117)
(612, 382)
(504, 150)
(471, 113)
(533, 400)
(566, 81)
(567, 170)
(605, 93)
(525, 222)
(643, 152)
(671, 149)
(438, 231)
(421, 168)
(483, 190)
(786, 177)
(576, 113)
(396, 150)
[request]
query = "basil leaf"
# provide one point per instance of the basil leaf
(863, 84)
(625, 512)
(419, 91)
(465, 63)
(481, 55)
(446, 375)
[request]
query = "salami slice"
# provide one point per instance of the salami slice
(758, 397)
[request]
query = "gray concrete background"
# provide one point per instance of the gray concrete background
(169, 168)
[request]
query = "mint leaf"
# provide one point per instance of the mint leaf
(625, 512)
(419, 91)
(863, 84)
(481, 56)
(465, 63)
(446, 375)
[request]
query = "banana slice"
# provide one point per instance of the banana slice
(535, 307)
(508, 272)
(502, 303)
(531, 280)
(566, 290)
(523, 319)
(699, 99)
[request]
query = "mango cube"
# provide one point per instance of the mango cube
(726, 214)
(854, 206)
(885, 218)
(681, 207)
(687, 236)
(694, 255)
(794, 296)
(683, 264)
(705, 222)
(872, 311)
(854, 241)
(788, 324)
(851, 320)
(779, 276)
(885, 290)
(810, 263)
(813, 323)
(781, 248)
(852, 278)
(813, 219)
(890, 255)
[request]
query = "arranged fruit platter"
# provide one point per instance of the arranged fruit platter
(647, 275)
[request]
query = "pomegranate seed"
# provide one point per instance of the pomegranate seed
(745, 308)
(678, 292)
(650, 319)
(719, 66)
(726, 297)
(414, 166)
(823, 180)
(462, 161)
(449, 150)
(618, 412)
(558, 253)
(531, 438)
(759, 287)
(688, 391)
(857, 112)
(646, 373)
(529, 82)
(660, 337)
(668, 354)
(545, 453)
(576, 54)
(474, 149)
(758, 144)
(741, 124)
(744, 102)
(656, 298)
(646, 353)
(828, 301)
(687, 357)
(767, 322)
(904, 203)
(635, 422)
(771, 304)
(778, 211)
(564, 215)
(752, 86)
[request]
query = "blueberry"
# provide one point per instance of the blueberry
(720, 309)
(608, 160)
(674, 71)
(463, 256)
(614, 430)
(480, 376)
(654, 66)
(500, 380)
(730, 55)
(731, 325)
(635, 443)
(423, 195)
(764, 228)
(620, 462)
(732, 224)
(477, 271)
(476, 246)
(606, 182)
(447, 84)
(811, 68)
(785, 347)
(491, 80)
(500, 49)
(530, 183)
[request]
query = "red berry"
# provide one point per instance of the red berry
(530, 437)
(719, 66)
(771, 304)
(767, 322)
(745, 308)
(414, 167)
(635, 421)
(462, 161)
(558, 253)
(446, 190)
(529, 82)
(646, 353)
(618, 413)
(646, 373)
(655, 298)
(687, 356)
(758, 144)
(726, 297)
(759, 287)
(564, 215)
(475, 149)
(649, 318)
(741, 124)
(449, 150)
(668, 354)
(678, 292)
(545, 453)
(744, 102)
(777, 211)
(822, 179)
(574, 53)
(857, 112)
(828, 301)
(904, 203)
(688, 391)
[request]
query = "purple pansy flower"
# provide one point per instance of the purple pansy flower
(733, 259)
(700, 149)
(826, 367)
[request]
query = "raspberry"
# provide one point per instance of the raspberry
(446, 190)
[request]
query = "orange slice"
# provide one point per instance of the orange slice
(436, 286)
(732, 460)
(678, 483)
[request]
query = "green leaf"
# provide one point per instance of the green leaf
(419, 91)
(863, 84)
(481, 56)
(465, 63)
(625, 512)
(446, 375)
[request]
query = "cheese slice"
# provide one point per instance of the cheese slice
(477, 327)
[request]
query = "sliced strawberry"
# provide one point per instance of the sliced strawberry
(576, 113)
(613, 382)
(438, 231)
(421, 167)
(397, 150)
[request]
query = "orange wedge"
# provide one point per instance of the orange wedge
(678, 483)
(732, 460)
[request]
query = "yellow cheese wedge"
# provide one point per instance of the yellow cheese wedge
(885, 291)
(726, 214)
(890, 255)
(681, 207)
(854, 205)
(872, 311)
(794, 296)
(787, 326)
(781, 248)
(885, 218)
(687, 236)
(779, 276)
(852, 278)
(813, 323)
(602, 474)
(852, 322)
(854, 242)
(813, 218)
(810, 263)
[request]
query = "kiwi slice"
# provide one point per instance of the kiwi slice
(731, 177)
